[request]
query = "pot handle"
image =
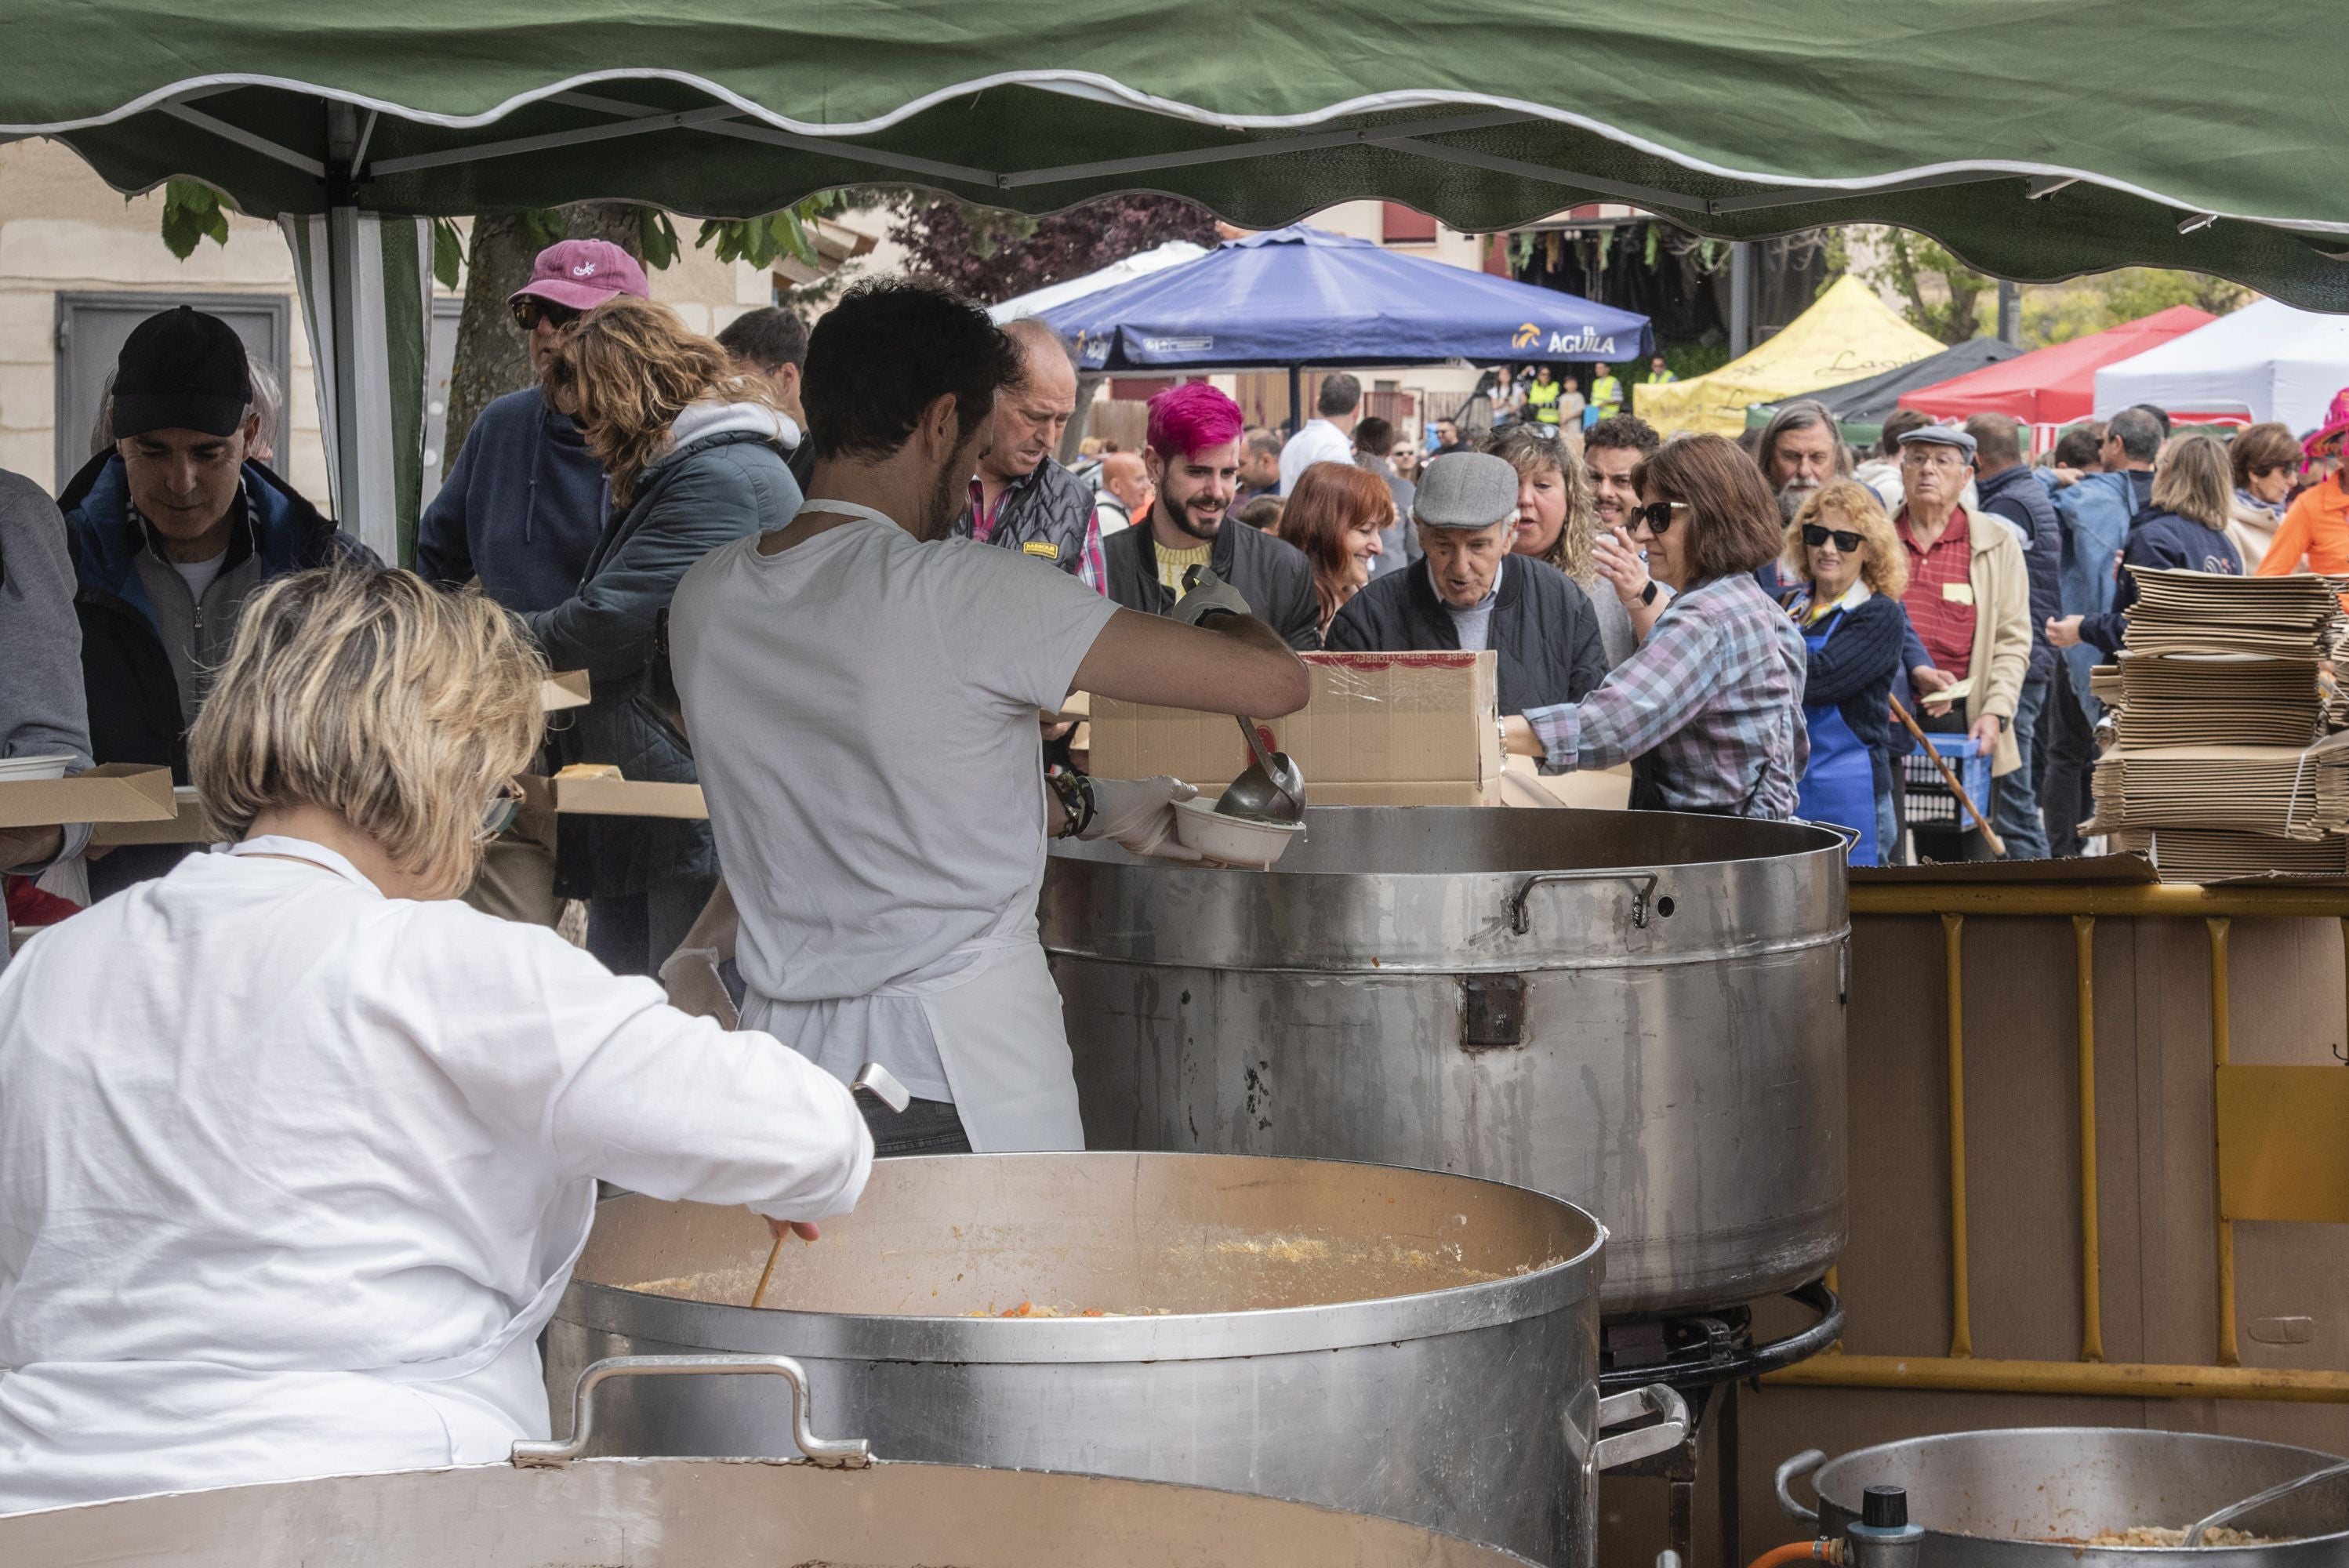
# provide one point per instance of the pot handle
(1643, 884)
(853, 1453)
(1794, 1470)
(1655, 1399)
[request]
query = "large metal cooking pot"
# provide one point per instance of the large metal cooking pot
(2024, 1498)
(1640, 1012)
(717, 1513)
(1388, 1342)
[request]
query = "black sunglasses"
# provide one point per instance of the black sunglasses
(1814, 535)
(1656, 517)
(529, 311)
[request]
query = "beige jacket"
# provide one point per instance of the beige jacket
(2002, 653)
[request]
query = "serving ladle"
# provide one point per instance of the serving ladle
(1271, 790)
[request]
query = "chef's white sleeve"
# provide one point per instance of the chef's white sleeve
(613, 1082)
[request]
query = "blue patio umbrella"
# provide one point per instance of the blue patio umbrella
(1298, 297)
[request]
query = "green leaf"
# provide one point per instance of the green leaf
(656, 236)
(543, 227)
(191, 213)
(447, 252)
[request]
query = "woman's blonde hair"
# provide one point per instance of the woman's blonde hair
(626, 370)
(2196, 481)
(1530, 452)
(376, 695)
(1883, 565)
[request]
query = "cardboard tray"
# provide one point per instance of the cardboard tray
(110, 792)
(565, 688)
(184, 826)
(616, 797)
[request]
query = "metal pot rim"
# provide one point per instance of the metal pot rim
(1823, 1481)
(1178, 1336)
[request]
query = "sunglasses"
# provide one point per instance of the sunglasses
(2261, 473)
(1656, 517)
(529, 311)
(498, 813)
(1814, 535)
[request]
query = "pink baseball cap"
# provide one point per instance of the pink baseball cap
(582, 275)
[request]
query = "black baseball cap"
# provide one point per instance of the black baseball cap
(181, 370)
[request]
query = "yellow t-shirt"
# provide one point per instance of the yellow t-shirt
(1174, 565)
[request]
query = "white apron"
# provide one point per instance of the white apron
(77, 1432)
(992, 1008)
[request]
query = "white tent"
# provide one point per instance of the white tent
(1036, 302)
(2266, 361)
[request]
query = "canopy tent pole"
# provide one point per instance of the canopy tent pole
(1741, 299)
(1296, 399)
(2010, 314)
(342, 295)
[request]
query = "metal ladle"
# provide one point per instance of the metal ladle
(1271, 790)
(2204, 1525)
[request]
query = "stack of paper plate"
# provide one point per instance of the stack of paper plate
(52, 765)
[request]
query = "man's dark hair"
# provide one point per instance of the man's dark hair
(2139, 433)
(769, 337)
(1373, 434)
(1998, 442)
(1732, 520)
(1267, 442)
(1627, 432)
(887, 351)
(1340, 393)
(2076, 447)
(2158, 415)
(1801, 414)
(1897, 424)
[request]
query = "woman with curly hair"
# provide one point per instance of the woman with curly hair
(1556, 522)
(1848, 572)
(696, 456)
(1335, 516)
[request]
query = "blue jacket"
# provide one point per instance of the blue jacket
(2016, 495)
(725, 477)
(2096, 513)
(521, 508)
(2166, 540)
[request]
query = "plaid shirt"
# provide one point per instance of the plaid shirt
(1712, 699)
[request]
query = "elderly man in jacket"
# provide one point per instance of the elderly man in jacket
(1021, 498)
(2010, 491)
(1186, 538)
(1969, 596)
(172, 529)
(1471, 593)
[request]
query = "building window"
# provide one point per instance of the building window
(1401, 225)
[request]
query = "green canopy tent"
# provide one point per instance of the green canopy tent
(1962, 119)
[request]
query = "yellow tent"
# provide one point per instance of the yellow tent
(1846, 335)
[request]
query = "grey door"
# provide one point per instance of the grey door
(439, 361)
(92, 328)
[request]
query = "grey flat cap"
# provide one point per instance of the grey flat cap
(1939, 435)
(1465, 489)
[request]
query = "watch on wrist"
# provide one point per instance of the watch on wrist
(1078, 802)
(1648, 594)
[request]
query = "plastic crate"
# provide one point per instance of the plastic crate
(1929, 802)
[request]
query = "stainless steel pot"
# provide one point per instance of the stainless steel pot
(1640, 1012)
(717, 1513)
(1387, 1342)
(2024, 1498)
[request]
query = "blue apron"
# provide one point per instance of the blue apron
(1839, 784)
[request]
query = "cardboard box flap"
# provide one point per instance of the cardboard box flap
(110, 792)
(564, 688)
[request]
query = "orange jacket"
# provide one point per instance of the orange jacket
(2315, 526)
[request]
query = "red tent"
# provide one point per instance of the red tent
(2056, 385)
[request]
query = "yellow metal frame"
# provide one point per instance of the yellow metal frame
(1961, 1369)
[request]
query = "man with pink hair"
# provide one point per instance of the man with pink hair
(1193, 458)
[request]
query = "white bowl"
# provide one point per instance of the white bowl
(17, 769)
(1231, 840)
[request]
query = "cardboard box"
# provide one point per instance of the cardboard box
(184, 826)
(110, 792)
(1380, 729)
(564, 688)
(603, 792)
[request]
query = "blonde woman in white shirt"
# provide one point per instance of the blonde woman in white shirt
(296, 1152)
